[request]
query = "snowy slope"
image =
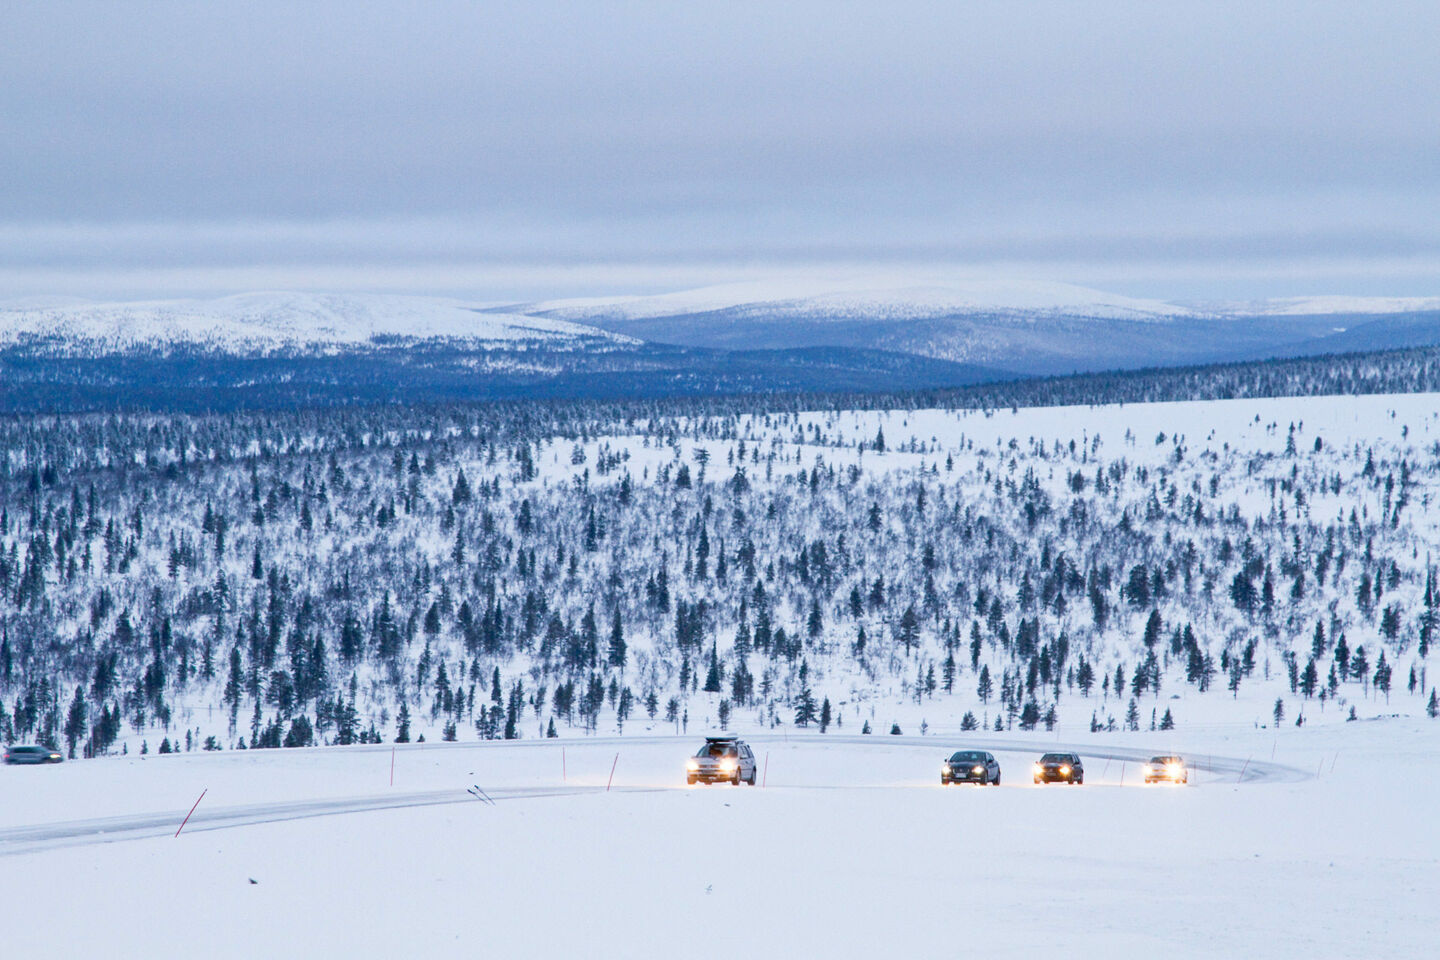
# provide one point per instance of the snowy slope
(269, 321)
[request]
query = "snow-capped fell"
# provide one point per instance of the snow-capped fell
(268, 321)
(868, 299)
(1324, 305)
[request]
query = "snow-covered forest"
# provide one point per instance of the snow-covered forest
(464, 571)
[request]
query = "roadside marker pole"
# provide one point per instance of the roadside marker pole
(1122, 774)
(392, 764)
(1319, 767)
(192, 810)
(1243, 769)
(612, 773)
(564, 776)
(1332, 762)
(765, 777)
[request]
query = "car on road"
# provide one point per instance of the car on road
(1167, 770)
(31, 753)
(723, 759)
(970, 766)
(1059, 768)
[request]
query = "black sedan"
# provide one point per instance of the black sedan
(31, 753)
(1059, 768)
(970, 766)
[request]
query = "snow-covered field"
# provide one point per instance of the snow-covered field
(1313, 843)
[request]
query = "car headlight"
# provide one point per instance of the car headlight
(1173, 769)
(1039, 768)
(1065, 770)
(977, 769)
(727, 764)
(692, 765)
(945, 767)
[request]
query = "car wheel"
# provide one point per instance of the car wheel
(996, 781)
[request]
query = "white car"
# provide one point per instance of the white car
(723, 759)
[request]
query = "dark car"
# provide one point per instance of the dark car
(1059, 768)
(970, 766)
(1167, 770)
(723, 759)
(32, 753)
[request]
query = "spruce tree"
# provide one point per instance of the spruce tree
(75, 720)
(615, 655)
(986, 687)
(805, 702)
(402, 734)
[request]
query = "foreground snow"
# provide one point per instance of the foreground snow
(849, 851)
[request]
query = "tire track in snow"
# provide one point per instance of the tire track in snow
(73, 833)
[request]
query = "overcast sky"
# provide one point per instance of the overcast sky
(499, 150)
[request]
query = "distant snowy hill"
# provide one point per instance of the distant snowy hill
(1029, 327)
(1330, 305)
(856, 335)
(262, 322)
(300, 349)
(867, 300)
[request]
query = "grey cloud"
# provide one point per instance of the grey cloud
(226, 136)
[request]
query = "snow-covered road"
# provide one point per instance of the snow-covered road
(852, 850)
(659, 750)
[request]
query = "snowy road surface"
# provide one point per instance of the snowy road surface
(852, 850)
(45, 836)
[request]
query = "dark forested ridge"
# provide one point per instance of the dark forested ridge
(41, 376)
(330, 574)
(34, 380)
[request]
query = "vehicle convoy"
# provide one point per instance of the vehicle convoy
(970, 766)
(31, 753)
(1059, 768)
(723, 759)
(1167, 770)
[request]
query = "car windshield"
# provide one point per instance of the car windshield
(1165, 760)
(1055, 758)
(717, 750)
(968, 756)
